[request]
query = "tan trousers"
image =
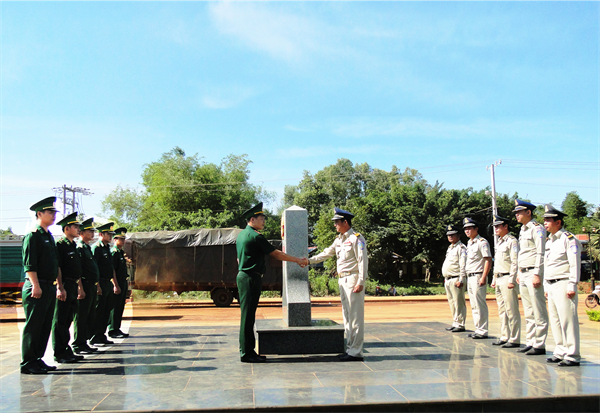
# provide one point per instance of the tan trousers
(508, 310)
(479, 307)
(353, 310)
(536, 314)
(456, 300)
(564, 321)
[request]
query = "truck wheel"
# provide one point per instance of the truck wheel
(222, 297)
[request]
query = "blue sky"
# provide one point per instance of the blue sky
(92, 91)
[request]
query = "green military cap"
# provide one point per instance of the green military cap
(551, 212)
(255, 211)
(120, 232)
(108, 227)
(70, 219)
(46, 204)
(87, 224)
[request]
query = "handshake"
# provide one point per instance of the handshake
(302, 262)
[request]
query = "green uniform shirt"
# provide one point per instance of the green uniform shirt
(89, 269)
(119, 263)
(103, 259)
(252, 246)
(69, 259)
(40, 255)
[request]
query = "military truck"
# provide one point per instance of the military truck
(192, 260)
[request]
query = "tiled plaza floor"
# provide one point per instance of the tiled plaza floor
(194, 368)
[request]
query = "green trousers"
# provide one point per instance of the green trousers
(38, 321)
(85, 316)
(103, 307)
(64, 312)
(249, 287)
(116, 314)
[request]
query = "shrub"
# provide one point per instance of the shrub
(333, 286)
(593, 315)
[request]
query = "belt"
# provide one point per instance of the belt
(71, 279)
(451, 278)
(525, 269)
(501, 274)
(89, 281)
(346, 274)
(555, 281)
(53, 282)
(474, 273)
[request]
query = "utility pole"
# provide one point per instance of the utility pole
(72, 200)
(493, 194)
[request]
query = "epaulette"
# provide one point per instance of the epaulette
(536, 223)
(357, 234)
(569, 235)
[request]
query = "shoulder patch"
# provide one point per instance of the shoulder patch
(540, 231)
(361, 244)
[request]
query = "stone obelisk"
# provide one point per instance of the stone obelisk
(296, 294)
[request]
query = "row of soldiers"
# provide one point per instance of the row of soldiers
(544, 262)
(70, 282)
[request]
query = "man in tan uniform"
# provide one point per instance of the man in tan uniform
(454, 274)
(352, 267)
(505, 274)
(562, 270)
(478, 265)
(532, 239)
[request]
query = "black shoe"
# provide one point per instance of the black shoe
(568, 363)
(536, 352)
(553, 360)
(470, 335)
(524, 349)
(342, 355)
(499, 343)
(449, 328)
(33, 368)
(253, 359)
(45, 366)
(123, 334)
(478, 337)
(116, 335)
(457, 330)
(76, 357)
(85, 350)
(66, 359)
(348, 357)
(511, 345)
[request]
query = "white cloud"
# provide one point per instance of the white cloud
(427, 128)
(280, 34)
(226, 97)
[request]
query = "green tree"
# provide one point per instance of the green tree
(577, 211)
(184, 192)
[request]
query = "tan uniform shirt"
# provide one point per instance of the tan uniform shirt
(351, 251)
(532, 239)
(505, 261)
(454, 264)
(477, 249)
(563, 258)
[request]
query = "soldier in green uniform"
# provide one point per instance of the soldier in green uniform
(40, 264)
(120, 266)
(69, 264)
(107, 284)
(252, 247)
(85, 316)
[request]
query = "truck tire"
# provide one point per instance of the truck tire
(222, 297)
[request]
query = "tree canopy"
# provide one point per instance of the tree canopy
(184, 192)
